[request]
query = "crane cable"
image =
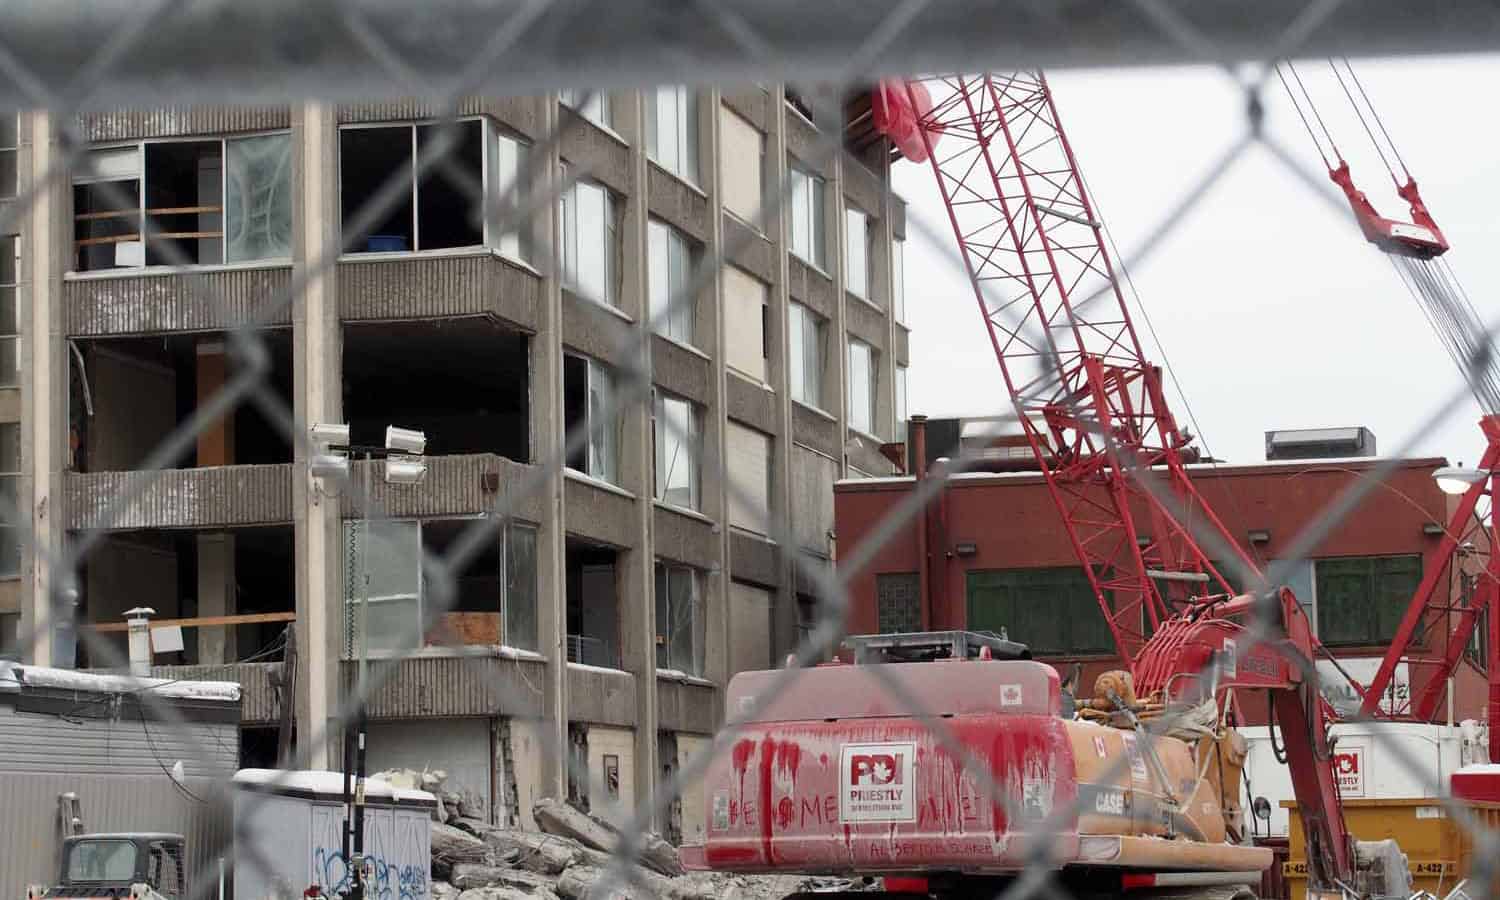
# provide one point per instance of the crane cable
(1431, 282)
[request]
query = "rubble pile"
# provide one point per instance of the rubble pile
(571, 858)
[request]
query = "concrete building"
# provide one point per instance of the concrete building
(600, 619)
(999, 557)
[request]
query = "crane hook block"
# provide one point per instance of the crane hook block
(1420, 238)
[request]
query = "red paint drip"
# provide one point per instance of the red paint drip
(767, 757)
(789, 758)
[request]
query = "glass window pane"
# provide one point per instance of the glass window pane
(860, 387)
(10, 361)
(857, 265)
(687, 132)
(258, 198)
(799, 213)
(393, 563)
(901, 396)
(666, 149)
(603, 442)
(9, 259)
(683, 314)
(683, 590)
(10, 448)
(818, 233)
(898, 278)
(592, 243)
(796, 356)
(520, 588)
(508, 185)
(663, 620)
(676, 460)
(394, 624)
(659, 272)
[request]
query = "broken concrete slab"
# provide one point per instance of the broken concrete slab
(452, 846)
(469, 876)
(509, 893)
(546, 853)
(590, 883)
(559, 818)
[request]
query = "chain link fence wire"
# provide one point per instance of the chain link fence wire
(363, 45)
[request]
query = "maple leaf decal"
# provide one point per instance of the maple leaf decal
(882, 773)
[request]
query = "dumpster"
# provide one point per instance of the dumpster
(1438, 850)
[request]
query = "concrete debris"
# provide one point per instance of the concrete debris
(473, 860)
(559, 818)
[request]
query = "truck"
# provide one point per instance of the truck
(141, 866)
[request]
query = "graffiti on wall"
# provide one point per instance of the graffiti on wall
(396, 845)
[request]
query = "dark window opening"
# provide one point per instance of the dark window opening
(1051, 610)
(593, 604)
(467, 386)
(106, 215)
(1361, 599)
(184, 202)
(899, 606)
(474, 614)
(440, 215)
(142, 389)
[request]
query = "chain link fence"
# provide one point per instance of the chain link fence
(69, 58)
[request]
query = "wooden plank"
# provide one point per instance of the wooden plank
(199, 622)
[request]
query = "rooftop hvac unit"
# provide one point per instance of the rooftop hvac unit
(1319, 443)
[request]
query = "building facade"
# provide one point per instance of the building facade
(999, 558)
(612, 603)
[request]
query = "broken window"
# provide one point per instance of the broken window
(382, 586)
(676, 431)
(591, 242)
(439, 212)
(669, 271)
(190, 202)
(521, 629)
(10, 321)
(680, 625)
(593, 605)
(672, 130)
(596, 108)
(10, 498)
(10, 142)
(588, 403)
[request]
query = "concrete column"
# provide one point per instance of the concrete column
(716, 595)
(46, 250)
(317, 393)
(216, 597)
(637, 565)
(547, 433)
(784, 602)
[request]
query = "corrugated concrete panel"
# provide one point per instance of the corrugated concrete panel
(802, 140)
(599, 514)
(597, 331)
(517, 113)
(866, 323)
(601, 696)
(427, 286)
(752, 404)
(604, 157)
(181, 121)
(753, 103)
(749, 249)
(680, 370)
(754, 559)
(156, 302)
(453, 687)
(215, 497)
(903, 346)
(462, 485)
(682, 706)
(684, 538)
(257, 698)
(816, 430)
(28, 830)
(810, 287)
(669, 198)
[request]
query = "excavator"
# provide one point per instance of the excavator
(950, 764)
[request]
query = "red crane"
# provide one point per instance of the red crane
(1434, 633)
(1095, 416)
(1091, 406)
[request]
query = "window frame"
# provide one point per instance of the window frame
(1328, 600)
(688, 149)
(686, 315)
(865, 293)
(802, 319)
(1056, 578)
(606, 443)
(77, 179)
(10, 332)
(600, 110)
(898, 279)
(515, 244)
(693, 440)
(900, 399)
(668, 642)
(814, 219)
(570, 241)
(869, 404)
(10, 532)
(10, 182)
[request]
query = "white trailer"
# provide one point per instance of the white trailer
(289, 836)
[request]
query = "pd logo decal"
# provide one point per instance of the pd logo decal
(878, 783)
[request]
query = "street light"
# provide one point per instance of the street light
(1457, 479)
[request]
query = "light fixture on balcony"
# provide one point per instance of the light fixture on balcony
(1457, 479)
(329, 433)
(405, 440)
(405, 469)
(328, 465)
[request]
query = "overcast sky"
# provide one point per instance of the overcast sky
(1271, 308)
